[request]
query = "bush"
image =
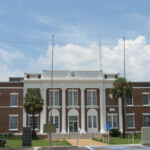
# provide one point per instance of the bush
(114, 132)
(36, 138)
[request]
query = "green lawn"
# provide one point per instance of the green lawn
(18, 143)
(120, 140)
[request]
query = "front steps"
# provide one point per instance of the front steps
(75, 136)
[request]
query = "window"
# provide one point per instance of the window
(30, 122)
(112, 120)
(55, 120)
(54, 98)
(92, 122)
(14, 99)
(145, 97)
(130, 121)
(146, 120)
(73, 97)
(13, 122)
(91, 97)
(129, 102)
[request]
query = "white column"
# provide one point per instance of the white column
(120, 115)
(63, 111)
(24, 113)
(102, 110)
(43, 115)
(82, 111)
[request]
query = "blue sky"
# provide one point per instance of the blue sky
(26, 27)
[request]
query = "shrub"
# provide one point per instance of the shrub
(114, 132)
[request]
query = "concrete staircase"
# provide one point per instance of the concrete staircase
(75, 136)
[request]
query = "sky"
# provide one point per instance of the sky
(26, 28)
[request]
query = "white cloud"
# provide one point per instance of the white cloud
(76, 57)
(9, 56)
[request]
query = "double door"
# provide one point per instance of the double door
(73, 123)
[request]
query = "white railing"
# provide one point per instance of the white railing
(131, 137)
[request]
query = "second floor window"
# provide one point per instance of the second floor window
(73, 97)
(145, 97)
(129, 102)
(91, 98)
(54, 98)
(14, 99)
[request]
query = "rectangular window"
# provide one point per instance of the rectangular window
(13, 122)
(92, 122)
(129, 102)
(55, 120)
(146, 120)
(91, 98)
(112, 120)
(145, 98)
(54, 98)
(130, 121)
(14, 100)
(30, 122)
(73, 97)
(89, 121)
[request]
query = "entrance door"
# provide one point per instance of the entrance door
(73, 123)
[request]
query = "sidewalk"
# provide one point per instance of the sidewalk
(85, 142)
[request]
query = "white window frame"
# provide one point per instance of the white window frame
(91, 98)
(11, 94)
(131, 114)
(36, 115)
(54, 100)
(55, 120)
(92, 122)
(13, 115)
(131, 100)
(145, 114)
(111, 115)
(72, 98)
(146, 93)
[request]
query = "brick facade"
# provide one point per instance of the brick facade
(16, 85)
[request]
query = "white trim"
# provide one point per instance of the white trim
(131, 114)
(145, 113)
(13, 115)
(11, 87)
(16, 94)
(30, 115)
(109, 114)
(141, 87)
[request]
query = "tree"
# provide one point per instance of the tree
(33, 103)
(122, 89)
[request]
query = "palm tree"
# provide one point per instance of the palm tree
(122, 89)
(33, 103)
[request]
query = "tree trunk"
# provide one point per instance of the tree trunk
(123, 117)
(33, 122)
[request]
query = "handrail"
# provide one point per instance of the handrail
(132, 137)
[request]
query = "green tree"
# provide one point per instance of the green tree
(122, 89)
(33, 103)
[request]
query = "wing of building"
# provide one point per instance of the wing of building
(78, 100)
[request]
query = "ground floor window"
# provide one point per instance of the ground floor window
(130, 121)
(55, 120)
(112, 120)
(146, 120)
(13, 122)
(36, 123)
(92, 122)
(73, 123)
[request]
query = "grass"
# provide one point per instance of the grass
(120, 140)
(18, 143)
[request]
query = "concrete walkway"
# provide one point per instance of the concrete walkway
(85, 142)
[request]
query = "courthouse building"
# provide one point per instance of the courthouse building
(76, 100)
